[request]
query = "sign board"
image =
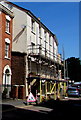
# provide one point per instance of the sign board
(31, 98)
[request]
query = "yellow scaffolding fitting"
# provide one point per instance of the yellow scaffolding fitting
(40, 90)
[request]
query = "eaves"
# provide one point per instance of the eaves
(6, 10)
(36, 19)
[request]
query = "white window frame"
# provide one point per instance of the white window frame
(7, 45)
(6, 50)
(32, 25)
(33, 47)
(39, 31)
(45, 35)
(7, 26)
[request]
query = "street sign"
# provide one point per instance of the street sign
(31, 98)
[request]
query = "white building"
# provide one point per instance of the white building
(40, 46)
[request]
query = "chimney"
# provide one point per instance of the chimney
(38, 18)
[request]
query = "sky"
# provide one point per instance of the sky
(45, 0)
(62, 18)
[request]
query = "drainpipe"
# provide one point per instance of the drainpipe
(26, 81)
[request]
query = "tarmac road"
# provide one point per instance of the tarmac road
(49, 110)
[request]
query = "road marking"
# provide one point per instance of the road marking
(36, 108)
(23, 106)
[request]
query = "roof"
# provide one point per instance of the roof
(5, 9)
(35, 18)
(77, 83)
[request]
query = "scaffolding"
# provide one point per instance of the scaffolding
(45, 81)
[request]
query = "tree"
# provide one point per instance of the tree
(74, 68)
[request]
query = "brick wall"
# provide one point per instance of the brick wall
(6, 35)
(18, 74)
(0, 51)
(3, 35)
(18, 68)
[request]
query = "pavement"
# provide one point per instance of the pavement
(19, 103)
(16, 109)
(15, 102)
(10, 104)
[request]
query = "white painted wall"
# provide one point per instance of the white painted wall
(22, 43)
(22, 38)
(19, 35)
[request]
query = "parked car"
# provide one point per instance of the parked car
(73, 91)
(78, 86)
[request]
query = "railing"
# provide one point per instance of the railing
(42, 51)
(34, 50)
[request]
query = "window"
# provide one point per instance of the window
(33, 25)
(39, 31)
(7, 76)
(33, 46)
(10, 6)
(45, 35)
(7, 26)
(6, 50)
(45, 40)
(7, 80)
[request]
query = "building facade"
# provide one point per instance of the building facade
(36, 64)
(6, 18)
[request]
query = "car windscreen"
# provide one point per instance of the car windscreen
(72, 89)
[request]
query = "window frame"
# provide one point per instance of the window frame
(7, 50)
(40, 31)
(7, 27)
(32, 25)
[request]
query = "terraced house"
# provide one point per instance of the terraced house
(36, 64)
(6, 19)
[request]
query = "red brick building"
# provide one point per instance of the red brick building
(6, 18)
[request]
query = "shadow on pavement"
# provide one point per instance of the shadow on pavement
(7, 107)
(64, 109)
(61, 109)
(22, 114)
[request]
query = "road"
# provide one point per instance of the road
(49, 110)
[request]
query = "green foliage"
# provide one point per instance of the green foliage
(4, 93)
(74, 68)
